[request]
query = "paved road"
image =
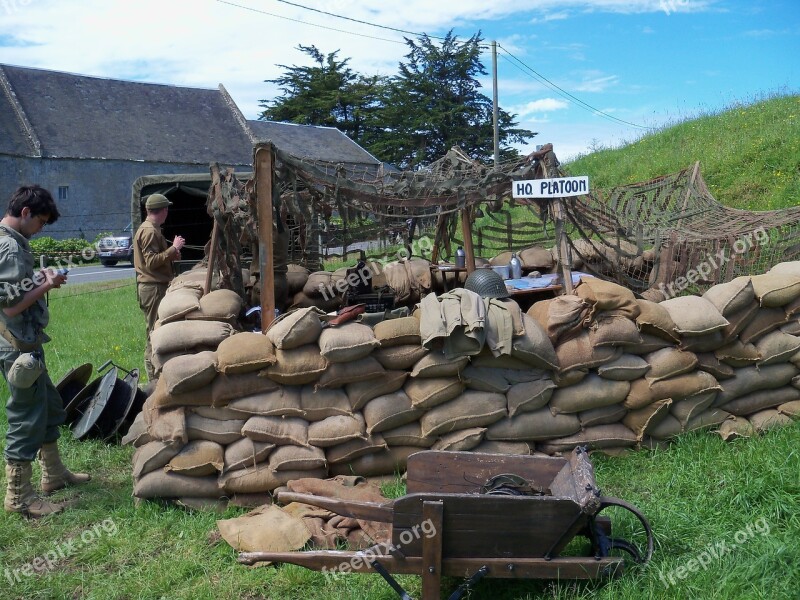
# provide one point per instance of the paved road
(95, 273)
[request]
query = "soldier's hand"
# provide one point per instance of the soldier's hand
(178, 242)
(53, 278)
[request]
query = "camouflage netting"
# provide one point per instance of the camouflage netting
(236, 414)
(658, 238)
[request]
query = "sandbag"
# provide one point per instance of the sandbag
(296, 328)
(398, 332)
(534, 347)
(175, 305)
(160, 484)
(460, 441)
(776, 289)
(592, 392)
(399, 357)
(669, 362)
(245, 453)
(184, 336)
(625, 368)
(230, 387)
(277, 430)
(470, 409)
(198, 458)
(336, 430)
(408, 435)
(347, 342)
(283, 401)
(153, 455)
(776, 347)
(427, 392)
(340, 374)
(435, 364)
(655, 320)
(602, 416)
(694, 315)
(731, 297)
(320, 403)
(222, 432)
(529, 396)
(362, 392)
(189, 372)
(245, 352)
(600, 436)
(389, 411)
(289, 457)
(348, 451)
(298, 366)
(534, 426)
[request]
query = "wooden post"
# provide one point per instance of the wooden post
(266, 260)
(466, 231)
(562, 246)
(433, 513)
(212, 257)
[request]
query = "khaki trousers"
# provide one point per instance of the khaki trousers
(150, 295)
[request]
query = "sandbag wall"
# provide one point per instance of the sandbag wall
(238, 413)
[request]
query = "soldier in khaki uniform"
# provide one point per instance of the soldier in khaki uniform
(153, 258)
(35, 409)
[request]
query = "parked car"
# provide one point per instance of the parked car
(114, 248)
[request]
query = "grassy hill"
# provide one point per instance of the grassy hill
(749, 155)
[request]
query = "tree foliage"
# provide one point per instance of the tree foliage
(410, 119)
(328, 93)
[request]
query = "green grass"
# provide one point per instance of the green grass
(749, 154)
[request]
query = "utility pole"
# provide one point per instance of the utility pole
(495, 108)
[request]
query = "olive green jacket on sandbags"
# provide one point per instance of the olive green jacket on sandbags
(17, 278)
(152, 255)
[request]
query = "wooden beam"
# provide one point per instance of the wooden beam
(263, 165)
(466, 231)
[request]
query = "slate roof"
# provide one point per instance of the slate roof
(311, 141)
(75, 116)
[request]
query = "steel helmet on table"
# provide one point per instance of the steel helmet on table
(486, 283)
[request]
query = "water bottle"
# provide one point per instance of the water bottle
(461, 258)
(515, 267)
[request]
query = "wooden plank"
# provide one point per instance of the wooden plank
(466, 231)
(489, 525)
(337, 561)
(371, 511)
(432, 512)
(263, 175)
(465, 472)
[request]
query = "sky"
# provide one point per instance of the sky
(584, 74)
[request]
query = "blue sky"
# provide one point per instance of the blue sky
(645, 63)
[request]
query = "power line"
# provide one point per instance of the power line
(269, 14)
(536, 75)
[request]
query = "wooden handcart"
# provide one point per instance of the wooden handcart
(475, 515)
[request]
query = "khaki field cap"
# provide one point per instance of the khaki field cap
(157, 201)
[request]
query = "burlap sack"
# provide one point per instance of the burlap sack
(435, 364)
(187, 373)
(606, 295)
(296, 328)
(776, 347)
(683, 386)
(320, 403)
(654, 319)
(602, 416)
(738, 354)
(184, 336)
(245, 453)
(222, 432)
(300, 300)
(218, 305)
(709, 418)
(613, 331)
(776, 289)
(336, 430)
(218, 414)
(765, 320)
(499, 447)
(751, 379)
(296, 278)
(485, 380)
(688, 408)
(428, 392)
(600, 436)
(348, 451)
(166, 424)
(694, 315)
(397, 332)
(578, 353)
(198, 458)
(625, 368)
(160, 484)
(564, 379)
(708, 361)
(538, 425)
(281, 402)
(152, 456)
(536, 257)
(642, 420)
(160, 398)
(529, 396)
(535, 347)
(297, 458)
(792, 327)
(137, 435)
(389, 411)
(175, 305)
(739, 320)
(703, 343)
(735, 428)
(649, 343)
(460, 441)
(408, 435)
(399, 357)
(387, 462)
(262, 478)
(732, 297)
(470, 409)
(790, 409)
(277, 430)
(298, 366)
(245, 352)
(363, 391)
(669, 362)
(347, 342)
(752, 402)
(226, 388)
(666, 428)
(321, 284)
(340, 374)
(566, 315)
(592, 392)
(791, 267)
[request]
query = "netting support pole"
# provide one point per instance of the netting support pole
(564, 259)
(466, 229)
(216, 186)
(263, 174)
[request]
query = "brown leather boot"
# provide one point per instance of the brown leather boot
(55, 475)
(20, 497)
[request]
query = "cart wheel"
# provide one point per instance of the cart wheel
(631, 532)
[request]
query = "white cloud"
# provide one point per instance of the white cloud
(593, 81)
(540, 106)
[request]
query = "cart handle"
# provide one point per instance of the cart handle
(606, 501)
